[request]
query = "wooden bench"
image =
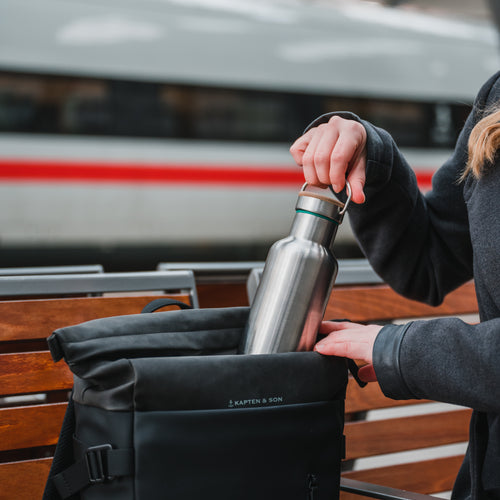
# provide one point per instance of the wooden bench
(30, 424)
(34, 389)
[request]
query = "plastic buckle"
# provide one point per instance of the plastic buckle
(97, 465)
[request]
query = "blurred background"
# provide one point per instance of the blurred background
(138, 132)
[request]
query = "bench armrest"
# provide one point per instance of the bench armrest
(381, 492)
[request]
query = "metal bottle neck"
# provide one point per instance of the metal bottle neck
(314, 228)
(317, 218)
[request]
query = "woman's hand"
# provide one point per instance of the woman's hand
(332, 152)
(350, 340)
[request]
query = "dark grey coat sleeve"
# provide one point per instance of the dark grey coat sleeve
(442, 360)
(418, 244)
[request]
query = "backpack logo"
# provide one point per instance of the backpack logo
(255, 402)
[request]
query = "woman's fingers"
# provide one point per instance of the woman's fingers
(346, 151)
(308, 159)
(349, 340)
(349, 160)
(357, 178)
(323, 152)
(327, 327)
(352, 345)
(299, 147)
(332, 152)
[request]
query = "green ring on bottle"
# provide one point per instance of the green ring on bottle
(299, 210)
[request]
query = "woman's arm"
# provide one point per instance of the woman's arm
(419, 244)
(442, 359)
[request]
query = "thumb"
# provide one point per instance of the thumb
(367, 373)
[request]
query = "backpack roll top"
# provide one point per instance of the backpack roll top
(166, 409)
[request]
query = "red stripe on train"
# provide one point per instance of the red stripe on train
(101, 172)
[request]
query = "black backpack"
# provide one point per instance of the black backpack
(163, 408)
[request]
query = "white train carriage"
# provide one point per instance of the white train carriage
(165, 124)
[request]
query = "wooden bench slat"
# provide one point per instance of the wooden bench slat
(38, 318)
(370, 397)
(429, 476)
(357, 303)
(364, 439)
(30, 426)
(31, 372)
(381, 303)
(24, 480)
(222, 295)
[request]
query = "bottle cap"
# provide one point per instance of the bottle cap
(319, 202)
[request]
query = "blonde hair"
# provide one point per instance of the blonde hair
(484, 141)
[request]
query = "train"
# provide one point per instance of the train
(135, 132)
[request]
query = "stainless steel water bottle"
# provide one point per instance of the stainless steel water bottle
(298, 277)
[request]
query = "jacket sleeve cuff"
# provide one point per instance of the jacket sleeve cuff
(386, 362)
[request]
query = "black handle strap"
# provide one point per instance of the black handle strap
(156, 304)
(354, 369)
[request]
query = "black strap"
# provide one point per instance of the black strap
(97, 465)
(154, 305)
(354, 369)
(63, 456)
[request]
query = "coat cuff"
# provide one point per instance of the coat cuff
(386, 362)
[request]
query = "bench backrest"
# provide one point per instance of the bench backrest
(234, 283)
(34, 389)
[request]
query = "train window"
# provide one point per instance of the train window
(442, 131)
(92, 106)
(240, 115)
(83, 108)
(17, 102)
(407, 121)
